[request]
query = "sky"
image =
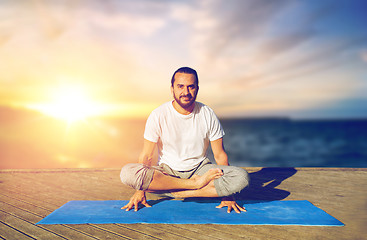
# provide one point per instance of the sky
(64, 62)
(300, 59)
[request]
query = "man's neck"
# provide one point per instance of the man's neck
(181, 110)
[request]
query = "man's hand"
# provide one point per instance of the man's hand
(231, 204)
(138, 197)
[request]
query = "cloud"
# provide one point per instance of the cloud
(44, 21)
(255, 46)
(364, 55)
(237, 46)
(123, 22)
(100, 43)
(274, 46)
(220, 25)
(322, 57)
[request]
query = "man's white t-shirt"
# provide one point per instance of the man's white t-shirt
(182, 139)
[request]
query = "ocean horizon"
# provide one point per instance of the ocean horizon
(31, 140)
(286, 142)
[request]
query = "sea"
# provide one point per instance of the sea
(283, 142)
(29, 139)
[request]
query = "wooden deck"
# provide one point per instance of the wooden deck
(27, 196)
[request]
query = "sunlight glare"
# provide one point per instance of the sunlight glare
(70, 103)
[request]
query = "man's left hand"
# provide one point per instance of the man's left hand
(231, 204)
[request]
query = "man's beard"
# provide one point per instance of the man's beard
(185, 105)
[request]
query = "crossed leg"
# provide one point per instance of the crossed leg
(210, 180)
(207, 191)
(163, 182)
(234, 179)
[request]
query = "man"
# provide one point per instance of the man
(182, 130)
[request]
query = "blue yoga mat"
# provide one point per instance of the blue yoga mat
(192, 212)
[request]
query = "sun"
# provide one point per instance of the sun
(70, 103)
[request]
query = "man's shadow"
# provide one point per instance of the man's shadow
(263, 184)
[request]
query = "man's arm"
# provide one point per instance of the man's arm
(220, 155)
(147, 154)
(221, 158)
(146, 158)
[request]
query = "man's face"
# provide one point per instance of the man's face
(184, 89)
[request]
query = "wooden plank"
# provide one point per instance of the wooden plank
(155, 230)
(107, 228)
(70, 185)
(148, 230)
(33, 218)
(49, 191)
(340, 192)
(181, 230)
(98, 232)
(9, 232)
(126, 232)
(209, 232)
(26, 228)
(92, 230)
(89, 229)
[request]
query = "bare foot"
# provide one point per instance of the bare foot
(210, 175)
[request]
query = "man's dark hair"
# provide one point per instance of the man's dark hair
(188, 71)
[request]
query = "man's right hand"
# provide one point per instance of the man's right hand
(138, 197)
